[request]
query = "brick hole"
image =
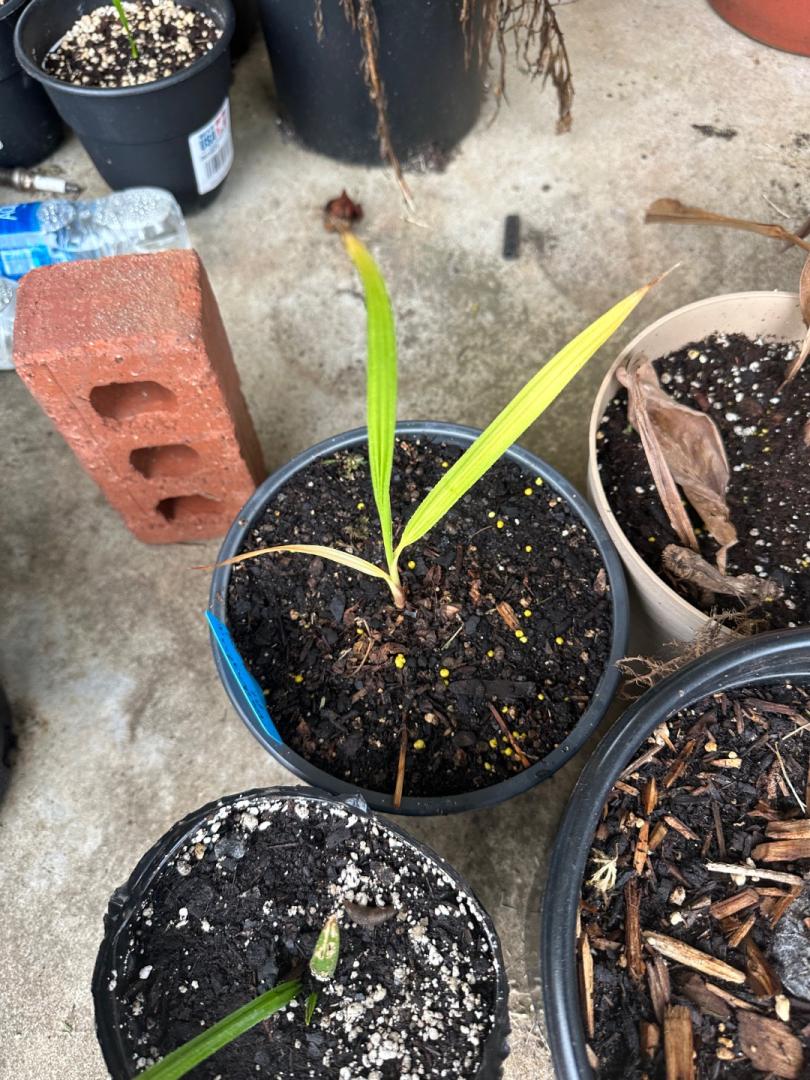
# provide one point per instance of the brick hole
(175, 459)
(180, 508)
(122, 401)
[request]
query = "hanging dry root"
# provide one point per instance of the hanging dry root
(642, 672)
(531, 25)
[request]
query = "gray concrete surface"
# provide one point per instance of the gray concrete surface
(121, 722)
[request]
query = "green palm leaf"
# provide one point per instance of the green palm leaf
(519, 414)
(188, 1056)
(381, 392)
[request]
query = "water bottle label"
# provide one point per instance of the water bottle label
(15, 262)
(21, 218)
(212, 150)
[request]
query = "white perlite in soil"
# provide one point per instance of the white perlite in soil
(363, 1025)
(96, 50)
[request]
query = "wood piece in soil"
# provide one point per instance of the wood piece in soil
(690, 957)
(770, 1045)
(679, 1043)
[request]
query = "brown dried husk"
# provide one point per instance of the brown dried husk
(804, 304)
(688, 446)
(690, 567)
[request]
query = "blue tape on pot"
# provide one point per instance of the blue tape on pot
(250, 689)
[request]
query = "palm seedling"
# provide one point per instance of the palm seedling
(122, 18)
(381, 405)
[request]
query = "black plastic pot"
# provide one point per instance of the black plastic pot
(448, 804)
(247, 23)
(125, 902)
(433, 94)
(781, 654)
(30, 128)
(5, 742)
(142, 135)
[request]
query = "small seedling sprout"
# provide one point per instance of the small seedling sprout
(381, 408)
(322, 966)
(309, 1009)
(122, 18)
(327, 950)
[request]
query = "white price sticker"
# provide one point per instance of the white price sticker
(211, 149)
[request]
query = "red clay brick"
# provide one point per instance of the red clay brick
(129, 358)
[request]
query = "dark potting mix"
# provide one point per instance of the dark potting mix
(238, 909)
(96, 50)
(504, 638)
(766, 434)
(694, 942)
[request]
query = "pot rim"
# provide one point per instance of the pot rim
(124, 900)
(10, 8)
(769, 657)
(472, 800)
(596, 491)
(221, 11)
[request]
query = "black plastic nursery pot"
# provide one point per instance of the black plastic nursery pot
(174, 133)
(128, 901)
(246, 24)
(590, 719)
(30, 128)
(433, 93)
(5, 742)
(779, 654)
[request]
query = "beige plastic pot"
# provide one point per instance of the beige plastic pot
(775, 316)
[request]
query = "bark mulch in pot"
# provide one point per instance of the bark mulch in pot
(503, 642)
(96, 50)
(767, 440)
(238, 908)
(694, 946)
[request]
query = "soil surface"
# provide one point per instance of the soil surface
(239, 909)
(765, 434)
(505, 636)
(725, 783)
(96, 50)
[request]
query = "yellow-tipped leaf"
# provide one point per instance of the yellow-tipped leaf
(333, 554)
(381, 384)
(519, 414)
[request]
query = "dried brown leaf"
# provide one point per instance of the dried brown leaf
(692, 448)
(691, 568)
(661, 473)
(804, 304)
(669, 211)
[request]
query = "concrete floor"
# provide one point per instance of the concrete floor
(122, 724)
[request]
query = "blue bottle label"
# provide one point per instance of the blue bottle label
(21, 218)
(252, 693)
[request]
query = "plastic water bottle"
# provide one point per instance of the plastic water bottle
(8, 299)
(63, 230)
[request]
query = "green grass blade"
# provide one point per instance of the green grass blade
(381, 383)
(122, 17)
(345, 558)
(186, 1057)
(519, 414)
